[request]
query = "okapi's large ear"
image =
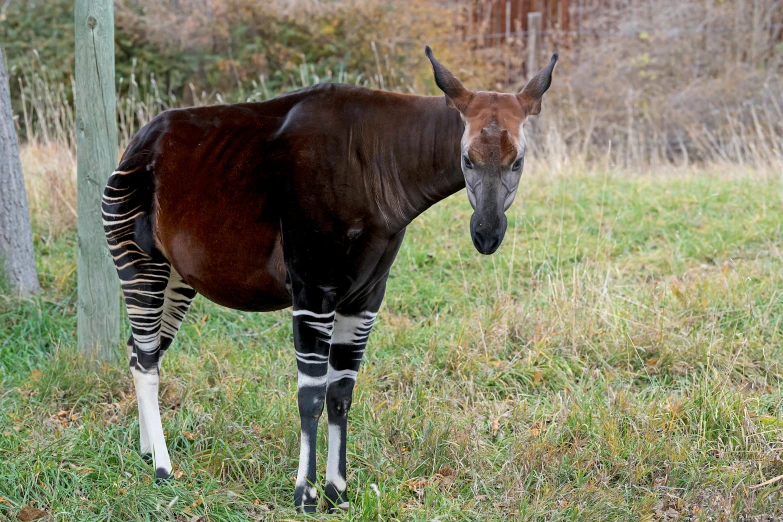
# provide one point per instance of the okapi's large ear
(457, 95)
(530, 96)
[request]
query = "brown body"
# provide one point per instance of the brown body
(227, 178)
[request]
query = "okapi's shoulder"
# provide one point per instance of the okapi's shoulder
(337, 113)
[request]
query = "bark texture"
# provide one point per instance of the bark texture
(17, 259)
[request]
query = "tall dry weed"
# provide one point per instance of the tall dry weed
(48, 153)
(50, 180)
(675, 81)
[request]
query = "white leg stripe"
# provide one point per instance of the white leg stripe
(336, 375)
(313, 355)
(353, 329)
(325, 329)
(147, 396)
(297, 313)
(333, 458)
(311, 358)
(144, 438)
(304, 459)
(305, 380)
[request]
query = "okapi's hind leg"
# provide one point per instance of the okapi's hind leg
(155, 296)
(144, 288)
(177, 299)
(144, 441)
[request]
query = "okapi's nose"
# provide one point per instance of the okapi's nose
(487, 234)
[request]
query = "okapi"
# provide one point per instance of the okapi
(300, 201)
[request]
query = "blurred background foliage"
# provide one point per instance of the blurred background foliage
(639, 81)
(198, 48)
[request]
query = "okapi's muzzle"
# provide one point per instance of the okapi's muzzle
(490, 199)
(487, 232)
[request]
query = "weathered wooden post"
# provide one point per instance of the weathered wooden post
(508, 42)
(96, 148)
(533, 29)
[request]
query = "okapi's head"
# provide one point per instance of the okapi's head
(493, 147)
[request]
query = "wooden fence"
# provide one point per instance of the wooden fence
(531, 26)
(495, 19)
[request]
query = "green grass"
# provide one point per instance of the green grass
(618, 359)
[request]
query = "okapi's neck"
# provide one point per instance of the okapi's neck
(420, 163)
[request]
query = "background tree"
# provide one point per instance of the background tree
(17, 261)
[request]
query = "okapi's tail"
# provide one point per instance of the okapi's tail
(128, 210)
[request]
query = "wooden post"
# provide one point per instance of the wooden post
(533, 29)
(96, 151)
(508, 42)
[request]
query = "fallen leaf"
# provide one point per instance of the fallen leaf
(447, 475)
(446, 471)
(30, 513)
(652, 361)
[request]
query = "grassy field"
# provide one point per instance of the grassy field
(618, 359)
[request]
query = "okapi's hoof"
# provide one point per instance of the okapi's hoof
(335, 499)
(306, 499)
(162, 475)
(340, 508)
(147, 457)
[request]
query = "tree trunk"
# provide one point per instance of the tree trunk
(17, 260)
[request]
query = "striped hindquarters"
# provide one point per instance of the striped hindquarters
(156, 297)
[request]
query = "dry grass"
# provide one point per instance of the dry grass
(50, 180)
(672, 81)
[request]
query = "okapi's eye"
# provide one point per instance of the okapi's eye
(517, 165)
(468, 164)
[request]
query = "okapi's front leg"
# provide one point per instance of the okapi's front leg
(349, 339)
(312, 335)
(352, 326)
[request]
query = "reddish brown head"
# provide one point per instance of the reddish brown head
(493, 146)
